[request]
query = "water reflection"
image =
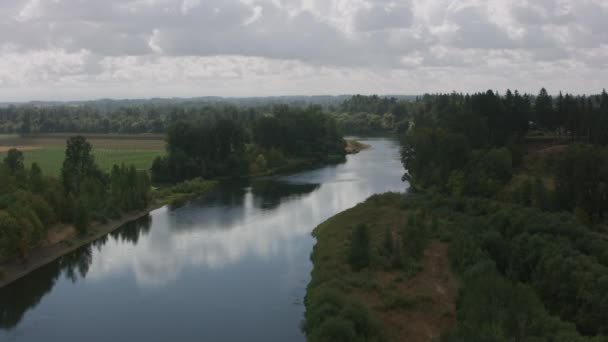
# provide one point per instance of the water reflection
(240, 254)
(269, 193)
(73, 266)
(14, 304)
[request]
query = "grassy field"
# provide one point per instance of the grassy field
(49, 150)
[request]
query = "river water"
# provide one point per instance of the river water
(232, 265)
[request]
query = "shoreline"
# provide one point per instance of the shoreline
(354, 146)
(15, 269)
(398, 296)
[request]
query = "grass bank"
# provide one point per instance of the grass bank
(379, 275)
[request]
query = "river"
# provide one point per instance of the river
(232, 265)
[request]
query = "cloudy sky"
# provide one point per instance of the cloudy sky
(85, 49)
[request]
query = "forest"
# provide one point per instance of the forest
(540, 238)
(354, 115)
(227, 148)
(31, 202)
(515, 186)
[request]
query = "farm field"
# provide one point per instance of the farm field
(48, 150)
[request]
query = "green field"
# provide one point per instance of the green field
(49, 150)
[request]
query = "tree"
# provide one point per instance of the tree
(360, 248)
(582, 180)
(14, 160)
(78, 164)
(544, 110)
(81, 219)
(9, 234)
(36, 179)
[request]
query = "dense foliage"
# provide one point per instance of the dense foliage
(359, 248)
(31, 202)
(471, 145)
(352, 248)
(140, 116)
(126, 119)
(527, 274)
(354, 115)
(581, 176)
(372, 114)
(229, 148)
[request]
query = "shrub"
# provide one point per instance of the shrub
(360, 248)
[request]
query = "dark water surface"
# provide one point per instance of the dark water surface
(231, 266)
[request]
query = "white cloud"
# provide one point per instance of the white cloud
(99, 47)
(257, 14)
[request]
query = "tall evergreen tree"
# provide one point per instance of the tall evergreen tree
(544, 110)
(78, 164)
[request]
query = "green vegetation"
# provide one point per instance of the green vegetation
(47, 183)
(372, 115)
(31, 202)
(183, 191)
(224, 148)
(354, 271)
(473, 145)
(48, 150)
(527, 274)
(524, 222)
(359, 248)
(356, 115)
(50, 159)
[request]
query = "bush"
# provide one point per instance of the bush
(414, 238)
(389, 243)
(259, 165)
(360, 248)
(193, 186)
(335, 329)
(331, 317)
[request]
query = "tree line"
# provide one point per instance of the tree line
(31, 202)
(137, 119)
(361, 114)
(523, 226)
(231, 148)
(358, 114)
(471, 145)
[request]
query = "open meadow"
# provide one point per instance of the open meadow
(48, 150)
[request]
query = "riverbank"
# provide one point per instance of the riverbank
(51, 250)
(63, 239)
(396, 294)
(354, 146)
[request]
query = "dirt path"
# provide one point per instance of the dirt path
(59, 233)
(432, 295)
(20, 148)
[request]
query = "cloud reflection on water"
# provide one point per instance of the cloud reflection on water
(214, 234)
